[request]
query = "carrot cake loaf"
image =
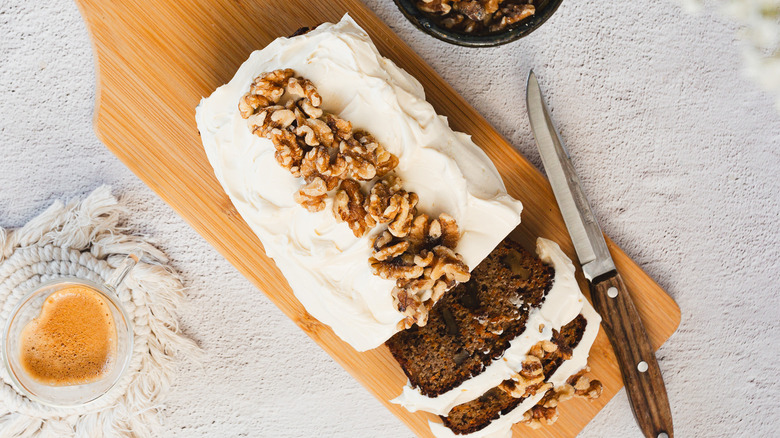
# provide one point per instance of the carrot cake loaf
(390, 228)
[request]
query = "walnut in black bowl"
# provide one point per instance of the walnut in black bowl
(478, 23)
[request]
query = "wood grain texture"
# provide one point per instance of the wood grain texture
(644, 386)
(157, 59)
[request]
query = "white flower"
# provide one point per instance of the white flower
(759, 22)
(692, 6)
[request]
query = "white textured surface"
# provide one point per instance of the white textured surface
(680, 156)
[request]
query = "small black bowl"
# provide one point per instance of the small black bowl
(544, 10)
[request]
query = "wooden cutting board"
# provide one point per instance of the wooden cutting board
(157, 59)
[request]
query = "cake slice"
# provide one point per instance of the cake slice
(480, 333)
(476, 414)
(494, 413)
(475, 323)
(518, 314)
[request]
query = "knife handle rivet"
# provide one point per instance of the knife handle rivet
(663, 435)
(642, 367)
(612, 292)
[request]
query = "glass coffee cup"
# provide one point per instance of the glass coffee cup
(31, 307)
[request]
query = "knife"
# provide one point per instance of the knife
(641, 374)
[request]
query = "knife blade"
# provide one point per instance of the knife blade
(638, 365)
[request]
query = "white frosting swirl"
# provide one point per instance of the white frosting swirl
(325, 264)
(561, 305)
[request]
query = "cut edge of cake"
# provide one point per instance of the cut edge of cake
(502, 426)
(561, 305)
(493, 415)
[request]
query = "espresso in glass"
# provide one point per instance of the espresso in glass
(69, 341)
(72, 341)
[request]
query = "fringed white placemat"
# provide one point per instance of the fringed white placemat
(83, 239)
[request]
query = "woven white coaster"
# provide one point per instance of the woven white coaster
(83, 239)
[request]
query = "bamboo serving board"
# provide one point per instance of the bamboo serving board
(157, 59)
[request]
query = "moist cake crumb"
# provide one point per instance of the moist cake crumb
(474, 323)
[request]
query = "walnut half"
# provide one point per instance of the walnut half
(348, 207)
(528, 381)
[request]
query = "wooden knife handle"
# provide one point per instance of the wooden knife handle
(644, 384)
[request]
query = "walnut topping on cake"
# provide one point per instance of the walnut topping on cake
(324, 150)
(384, 200)
(590, 389)
(310, 143)
(389, 204)
(530, 380)
(348, 207)
(266, 90)
(545, 412)
(381, 159)
(422, 262)
(312, 195)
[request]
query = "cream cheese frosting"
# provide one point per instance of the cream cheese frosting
(502, 426)
(324, 263)
(561, 305)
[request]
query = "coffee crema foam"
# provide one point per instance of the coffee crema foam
(73, 340)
